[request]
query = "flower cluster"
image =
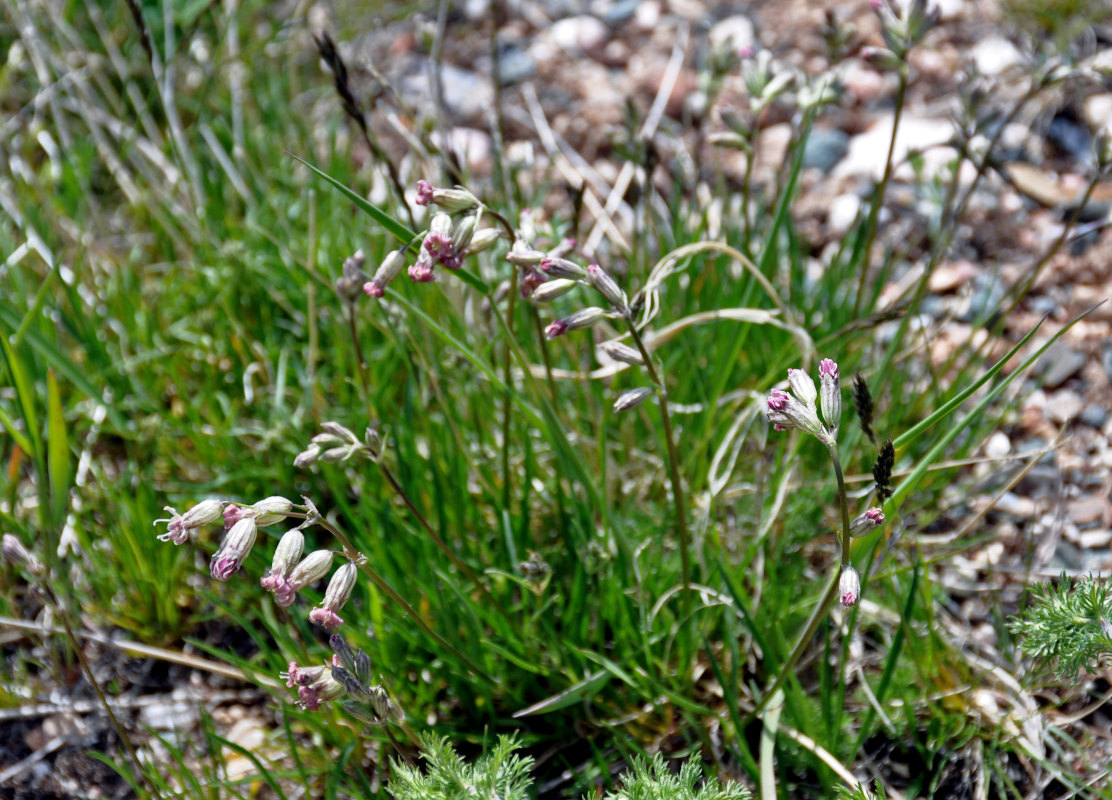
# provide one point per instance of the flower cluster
(289, 572)
(798, 411)
(447, 242)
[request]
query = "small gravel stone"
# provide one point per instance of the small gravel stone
(995, 54)
(1064, 405)
(1087, 509)
(1094, 416)
(579, 35)
(1060, 363)
(998, 445)
(825, 147)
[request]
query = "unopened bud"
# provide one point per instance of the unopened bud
(483, 239)
(311, 569)
(550, 290)
(562, 268)
(16, 553)
(608, 287)
(867, 522)
(340, 432)
(464, 230)
(307, 456)
(584, 318)
(830, 394)
(389, 269)
(237, 544)
(335, 596)
(633, 398)
(448, 199)
(803, 387)
(522, 255)
(623, 353)
(881, 58)
(849, 586)
(271, 510)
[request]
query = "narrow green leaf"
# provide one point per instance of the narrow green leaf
(911, 481)
(947, 408)
(588, 687)
(58, 452)
(26, 397)
(392, 226)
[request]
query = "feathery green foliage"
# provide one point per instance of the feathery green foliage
(652, 779)
(498, 773)
(1068, 626)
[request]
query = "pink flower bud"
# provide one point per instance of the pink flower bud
(607, 287)
(237, 544)
(337, 594)
(562, 268)
(867, 522)
(849, 586)
(424, 193)
(830, 395)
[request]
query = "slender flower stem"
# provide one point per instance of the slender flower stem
(828, 598)
(424, 523)
(507, 399)
(392, 593)
(845, 539)
(673, 456)
(874, 212)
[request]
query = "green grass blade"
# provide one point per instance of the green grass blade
(947, 408)
(911, 481)
(58, 452)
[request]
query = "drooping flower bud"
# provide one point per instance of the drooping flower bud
(623, 353)
(633, 398)
(849, 586)
(237, 544)
(271, 510)
(448, 199)
(286, 556)
(562, 268)
(522, 255)
(389, 269)
(584, 318)
(309, 570)
(347, 285)
(16, 553)
(830, 395)
(608, 288)
(786, 413)
(484, 239)
(182, 525)
(421, 272)
(867, 522)
(548, 291)
(335, 596)
(307, 456)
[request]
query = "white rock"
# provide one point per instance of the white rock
(995, 54)
(647, 16)
(580, 34)
(1098, 112)
(998, 445)
(867, 150)
(1063, 405)
(842, 213)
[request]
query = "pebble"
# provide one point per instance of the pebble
(736, 32)
(825, 147)
(1060, 363)
(516, 65)
(1016, 506)
(867, 150)
(1098, 111)
(1106, 358)
(994, 55)
(998, 445)
(1087, 509)
(1094, 416)
(842, 213)
(174, 715)
(951, 276)
(1063, 405)
(621, 12)
(579, 35)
